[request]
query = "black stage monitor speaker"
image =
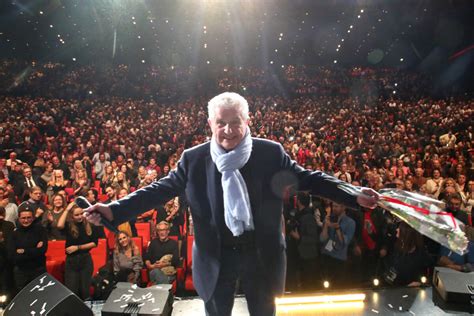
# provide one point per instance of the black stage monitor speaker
(454, 287)
(46, 296)
(128, 299)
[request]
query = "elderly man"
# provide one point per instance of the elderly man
(162, 256)
(234, 186)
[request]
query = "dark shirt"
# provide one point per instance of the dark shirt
(6, 231)
(158, 249)
(409, 267)
(28, 239)
(81, 239)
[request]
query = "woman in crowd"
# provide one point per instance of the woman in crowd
(81, 183)
(51, 218)
(434, 183)
(57, 183)
(48, 173)
(107, 178)
(127, 255)
(409, 260)
(121, 182)
(81, 237)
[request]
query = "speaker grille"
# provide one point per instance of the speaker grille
(470, 288)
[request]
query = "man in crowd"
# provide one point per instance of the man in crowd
(26, 183)
(34, 203)
(234, 186)
(6, 231)
(27, 248)
(11, 209)
(162, 257)
(306, 234)
(336, 235)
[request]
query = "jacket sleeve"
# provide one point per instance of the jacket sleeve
(151, 196)
(35, 251)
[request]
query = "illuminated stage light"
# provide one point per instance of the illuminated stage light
(321, 306)
(423, 280)
(320, 302)
(376, 282)
(3, 299)
(326, 283)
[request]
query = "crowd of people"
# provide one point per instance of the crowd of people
(58, 141)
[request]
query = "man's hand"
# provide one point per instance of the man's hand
(368, 198)
(158, 265)
(39, 212)
(94, 213)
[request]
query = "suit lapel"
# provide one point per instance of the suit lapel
(214, 189)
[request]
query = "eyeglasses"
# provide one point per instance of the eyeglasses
(162, 230)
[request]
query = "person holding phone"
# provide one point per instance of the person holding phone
(336, 235)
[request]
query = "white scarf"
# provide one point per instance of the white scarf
(237, 211)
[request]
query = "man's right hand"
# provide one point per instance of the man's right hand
(94, 213)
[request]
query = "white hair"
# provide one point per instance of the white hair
(228, 100)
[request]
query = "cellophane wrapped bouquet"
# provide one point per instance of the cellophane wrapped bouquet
(422, 213)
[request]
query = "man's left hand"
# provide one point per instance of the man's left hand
(368, 198)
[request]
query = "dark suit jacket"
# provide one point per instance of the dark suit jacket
(21, 188)
(268, 171)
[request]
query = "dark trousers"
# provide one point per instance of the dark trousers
(26, 275)
(241, 264)
(78, 273)
(336, 272)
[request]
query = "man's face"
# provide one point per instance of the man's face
(454, 204)
(228, 127)
(163, 232)
(27, 172)
(25, 219)
(36, 195)
(110, 192)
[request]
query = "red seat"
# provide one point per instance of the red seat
(139, 242)
(144, 231)
(99, 255)
(69, 191)
(110, 239)
(56, 259)
(188, 281)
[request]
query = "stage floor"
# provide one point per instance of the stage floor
(402, 301)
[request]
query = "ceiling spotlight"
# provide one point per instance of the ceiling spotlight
(423, 280)
(41, 12)
(362, 11)
(74, 59)
(376, 282)
(326, 284)
(401, 59)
